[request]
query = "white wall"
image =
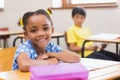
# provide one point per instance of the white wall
(98, 19)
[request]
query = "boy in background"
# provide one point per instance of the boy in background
(76, 35)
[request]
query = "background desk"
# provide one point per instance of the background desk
(98, 70)
(55, 35)
(116, 41)
(4, 34)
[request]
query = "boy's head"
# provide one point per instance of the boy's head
(78, 10)
(38, 27)
(78, 16)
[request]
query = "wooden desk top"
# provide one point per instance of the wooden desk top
(106, 73)
(3, 33)
(55, 35)
(105, 37)
(101, 40)
(15, 75)
(110, 71)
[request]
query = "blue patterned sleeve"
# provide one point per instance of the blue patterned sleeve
(21, 48)
(24, 47)
(52, 47)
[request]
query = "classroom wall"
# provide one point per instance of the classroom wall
(98, 19)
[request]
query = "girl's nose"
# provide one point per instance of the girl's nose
(40, 33)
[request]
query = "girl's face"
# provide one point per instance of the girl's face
(78, 19)
(39, 30)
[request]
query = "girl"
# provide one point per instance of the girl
(38, 49)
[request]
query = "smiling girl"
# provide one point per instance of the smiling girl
(38, 49)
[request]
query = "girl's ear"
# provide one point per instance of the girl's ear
(52, 29)
(26, 35)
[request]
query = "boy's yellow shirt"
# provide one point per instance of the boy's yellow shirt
(77, 35)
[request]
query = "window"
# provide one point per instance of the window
(1, 4)
(88, 3)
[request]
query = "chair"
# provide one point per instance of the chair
(6, 58)
(21, 37)
(65, 36)
(5, 37)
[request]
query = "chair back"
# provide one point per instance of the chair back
(65, 36)
(6, 58)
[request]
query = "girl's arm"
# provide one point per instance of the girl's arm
(24, 62)
(65, 56)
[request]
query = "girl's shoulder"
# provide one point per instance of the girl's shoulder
(51, 44)
(25, 45)
(53, 47)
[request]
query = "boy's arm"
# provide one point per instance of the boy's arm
(75, 48)
(24, 62)
(65, 56)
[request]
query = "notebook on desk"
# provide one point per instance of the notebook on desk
(64, 71)
(93, 64)
(104, 36)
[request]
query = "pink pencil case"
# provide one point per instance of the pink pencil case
(64, 71)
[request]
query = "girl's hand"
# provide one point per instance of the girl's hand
(53, 60)
(43, 57)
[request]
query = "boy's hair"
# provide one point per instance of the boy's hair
(78, 10)
(27, 15)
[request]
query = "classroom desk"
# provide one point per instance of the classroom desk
(14, 75)
(108, 73)
(102, 69)
(9, 33)
(98, 70)
(116, 41)
(55, 35)
(4, 33)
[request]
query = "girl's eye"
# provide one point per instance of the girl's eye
(46, 28)
(33, 31)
